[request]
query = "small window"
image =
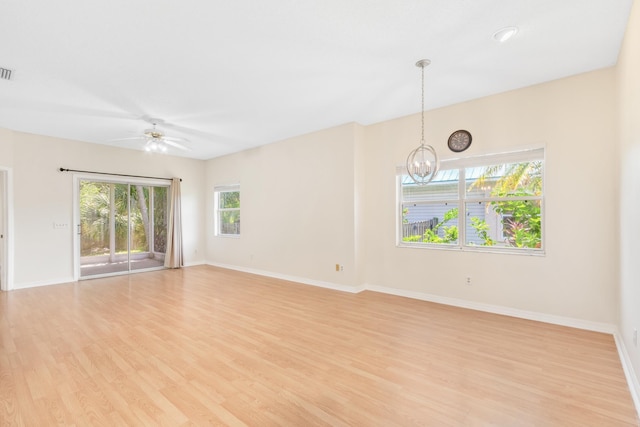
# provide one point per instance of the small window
(479, 203)
(227, 206)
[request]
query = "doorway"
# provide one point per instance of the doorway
(3, 230)
(122, 226)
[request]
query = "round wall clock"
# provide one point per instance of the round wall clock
(459, 140)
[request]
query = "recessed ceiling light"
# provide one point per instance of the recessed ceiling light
(504, 34)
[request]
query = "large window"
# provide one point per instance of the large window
(227, 203)
(479, 203)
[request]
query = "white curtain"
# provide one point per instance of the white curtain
(173, 257)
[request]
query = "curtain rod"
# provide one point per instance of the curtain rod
(116, 174)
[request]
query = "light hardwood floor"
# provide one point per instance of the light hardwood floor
(208, 346)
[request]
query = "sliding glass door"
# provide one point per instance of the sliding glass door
(122, 226)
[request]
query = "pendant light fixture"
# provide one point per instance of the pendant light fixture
(422, 163)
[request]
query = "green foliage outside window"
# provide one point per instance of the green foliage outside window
(229, 212)
(229, 199)
(95, 212)
(521, 219)
(450, 232)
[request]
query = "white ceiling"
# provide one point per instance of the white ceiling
(230, 75)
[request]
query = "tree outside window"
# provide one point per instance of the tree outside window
(227, 201)
(500, 201)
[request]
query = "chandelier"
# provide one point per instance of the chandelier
(422, 162)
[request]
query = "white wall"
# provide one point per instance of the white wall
(629, 96)
(43, 195)
(297, 207)
(329, 197)
(574, 118)
(6, 148)
(6, 243)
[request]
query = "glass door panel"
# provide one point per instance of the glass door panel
(101, 217)
(142, 228)
(160, 221)
(119, 226)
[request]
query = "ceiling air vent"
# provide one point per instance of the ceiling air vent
(5, 73)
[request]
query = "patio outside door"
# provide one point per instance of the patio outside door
(123, 227)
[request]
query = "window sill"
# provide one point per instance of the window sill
(476, 249)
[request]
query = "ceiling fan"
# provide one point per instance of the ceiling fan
(155, 140)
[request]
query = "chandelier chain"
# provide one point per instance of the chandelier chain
(422, 140)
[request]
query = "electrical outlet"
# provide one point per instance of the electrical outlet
(635, 337)
(468, 280)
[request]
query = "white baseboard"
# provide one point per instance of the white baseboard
(43, 283)
(194, 263)
(629, 373)
(297, 279)
(497, 309)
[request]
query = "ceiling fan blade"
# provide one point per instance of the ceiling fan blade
(133, 138)
(191, 131)
(176, 144)
(174, 139)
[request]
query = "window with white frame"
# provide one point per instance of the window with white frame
(227, 207)
(492, 202)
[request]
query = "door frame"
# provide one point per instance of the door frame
(6, 227)
(77, 177)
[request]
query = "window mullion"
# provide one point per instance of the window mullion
(504, 199)
(462, 207)
(430, 202)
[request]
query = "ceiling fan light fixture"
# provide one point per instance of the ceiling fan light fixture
(153, 133)
(155, 145)
(154, 139)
